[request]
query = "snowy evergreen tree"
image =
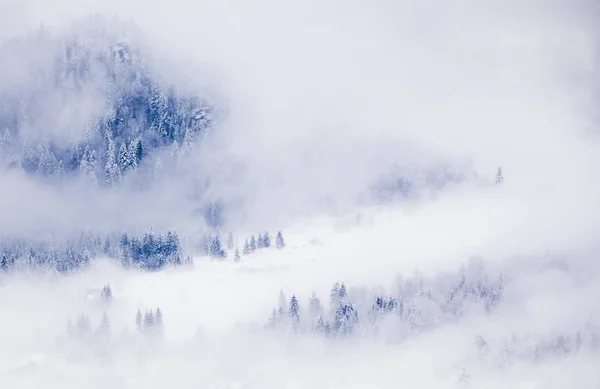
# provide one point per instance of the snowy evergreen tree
(266, 240)
(499, 176)
(247, 248)
(106, 293)
(48, 164)
(294, 311)
(236, 256)
(104, 328)
(282, 301)
(158, 321)
(319, 327)
(259, 242)
(126, 160)
(87, 166)
(279, 242)
(112, 174)
(215, 248)
(334, 295)
(148, 321)
(138, 152)
(273, 320)
(342, 292)
(4, 263)
(314, 306)
(138, 320)
(133, 153)
(230, 243)
(252, 243)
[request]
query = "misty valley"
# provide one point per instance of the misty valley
(315, 195)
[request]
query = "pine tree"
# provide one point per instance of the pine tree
(148, 321)
(319, 325)
(111, 169)
(342, 292)
(282, 301)
(139, 152)
(314, 306)
(48, 164)
(334, 295)
(499, 176)
(132, 154)
(87, 166)
(236, 256)
(106, 294)
(230, 243)
(273, 320)
(259, 242)
(247, 248)
(60, 170)
(252, 243)
(294, 312)
(266, 240)
(3, 263)
(215, 248)
(279, 242)
(158, 321)
(138, 320)
(125, 158)
(175, 151)
(104, 328)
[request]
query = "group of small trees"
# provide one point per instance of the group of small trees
(152, 252)
(420, 303)
(213, 247)
(263, 241)
(82, 330)
(150, 323)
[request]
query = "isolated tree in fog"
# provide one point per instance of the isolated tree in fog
(236, 256)
(106, 293)
(279, 242)
(230, 243)
(499, 176)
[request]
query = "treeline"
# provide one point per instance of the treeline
(151, 251)
(419, 304)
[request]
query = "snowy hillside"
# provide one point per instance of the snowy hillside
(308, 194)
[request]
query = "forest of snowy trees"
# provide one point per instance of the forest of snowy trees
(141, 113)
(139, 119)
(419, 304)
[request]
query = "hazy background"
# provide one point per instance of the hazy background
(321, 99)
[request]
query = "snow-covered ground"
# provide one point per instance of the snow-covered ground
(214, 313)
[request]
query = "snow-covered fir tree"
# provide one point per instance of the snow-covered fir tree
(279, 242)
